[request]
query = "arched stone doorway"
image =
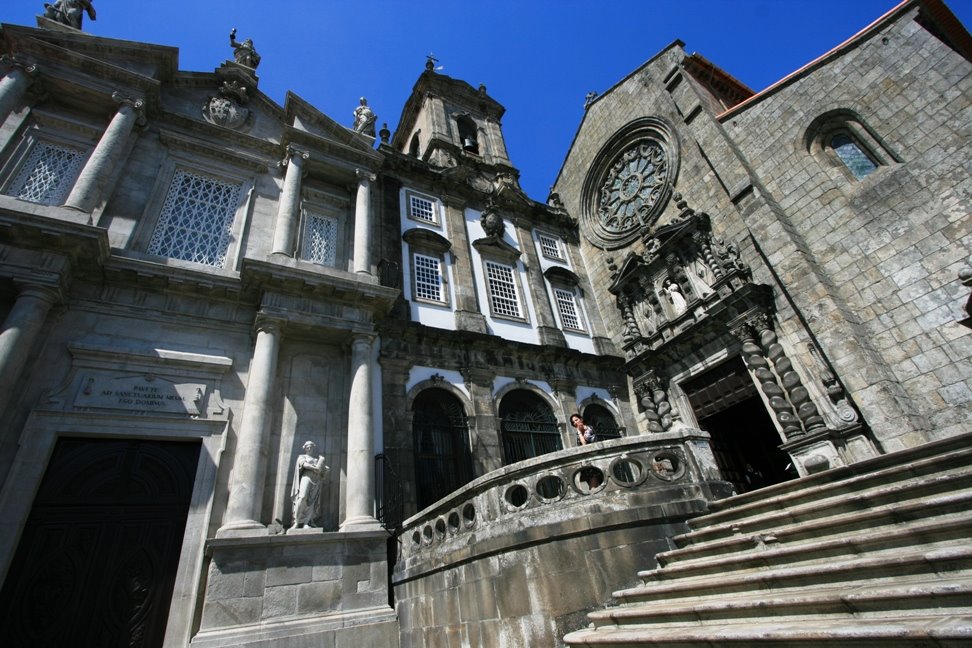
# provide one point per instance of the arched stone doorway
(441, 445)
(603, 422)
(528, 426)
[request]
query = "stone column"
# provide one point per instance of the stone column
(757, 362)
(19, 333)
(362, 223)
(14, 84)
(654, 400)
(250, 460)
(360, 504)
(797, 394)
(288, 210)
(90, 183)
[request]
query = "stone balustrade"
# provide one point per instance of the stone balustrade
(557, 492)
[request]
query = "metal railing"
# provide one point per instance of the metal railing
(389, 500)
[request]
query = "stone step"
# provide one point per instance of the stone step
(947, 451)
(952, 558)
(951, 631)
(898, 600)
(828, 502)
(919, 518)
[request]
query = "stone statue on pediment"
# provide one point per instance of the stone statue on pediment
(364, 118)
(244, 52)
(69, 12)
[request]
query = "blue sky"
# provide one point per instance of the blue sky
(539, 58)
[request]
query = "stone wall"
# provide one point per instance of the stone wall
(518, 557)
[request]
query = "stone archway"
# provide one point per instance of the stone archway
(528, 426)
(442, 460)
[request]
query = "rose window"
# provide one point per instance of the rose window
(632, 187)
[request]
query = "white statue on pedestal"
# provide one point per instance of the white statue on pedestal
(309, 472)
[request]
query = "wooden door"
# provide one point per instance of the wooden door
(97, 561)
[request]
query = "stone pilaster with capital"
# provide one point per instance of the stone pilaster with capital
(363, 222)
(20, 330)
(90, 185)
(14, 84)
(288, 208)
(360, 504)
(243, 510)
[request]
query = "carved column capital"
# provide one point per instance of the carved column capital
(13, 62)
(135, 104)
(363, 175)
(268, 324)
(294, 153)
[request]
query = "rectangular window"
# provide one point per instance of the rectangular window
(502, 290)
(196, 219)
(550, 246)
(567, 307)
(428, 278)
(422, 209)
(320, 239)
(48, 174)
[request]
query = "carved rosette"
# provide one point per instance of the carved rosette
(630, 183)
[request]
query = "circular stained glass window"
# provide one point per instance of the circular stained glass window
(630, 183)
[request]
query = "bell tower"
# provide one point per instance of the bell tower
(448, 123)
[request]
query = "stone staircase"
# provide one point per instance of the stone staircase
(874, 554)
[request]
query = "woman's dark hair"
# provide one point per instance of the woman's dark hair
(571, 417)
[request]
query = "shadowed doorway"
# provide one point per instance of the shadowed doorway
(745, 441)
(97, 560)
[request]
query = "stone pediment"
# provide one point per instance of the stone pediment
(496, 247)
(419, 236)
(302, 116)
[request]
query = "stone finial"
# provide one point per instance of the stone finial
(430, 62)
(589, 99)
(384, 133)
(244, 52)
(69, 12)
(364, 118)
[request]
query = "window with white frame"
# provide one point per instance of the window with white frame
(567, 308)
(550, 246)
(422, 208)
(503, 293)
(320, 239)
(428, 280)
(48, 174)
(197, 219)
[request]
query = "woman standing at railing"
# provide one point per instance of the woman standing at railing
(585, 433)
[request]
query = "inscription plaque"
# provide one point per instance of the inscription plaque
(141, 393)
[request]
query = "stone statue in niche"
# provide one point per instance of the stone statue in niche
(69, 12)
(309, 472)
(675, 296)
(364, 118)
(244, 53)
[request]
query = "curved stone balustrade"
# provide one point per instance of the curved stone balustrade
(557, 493)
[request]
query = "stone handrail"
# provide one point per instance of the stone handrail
(559, 487)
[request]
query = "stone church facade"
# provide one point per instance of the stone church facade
(738, 291)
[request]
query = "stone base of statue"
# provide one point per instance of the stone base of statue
(306, 588)
(53, 25)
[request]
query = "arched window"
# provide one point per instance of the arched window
(528, 426)
(599, 418)
(468, 137)
(853, 155)
(413, 147)
(441, 447)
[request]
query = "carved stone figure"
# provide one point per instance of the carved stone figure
(364, 119)
(309, 472)
(679, 305)
(69, 12)
(492, 222)
(244, 53)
